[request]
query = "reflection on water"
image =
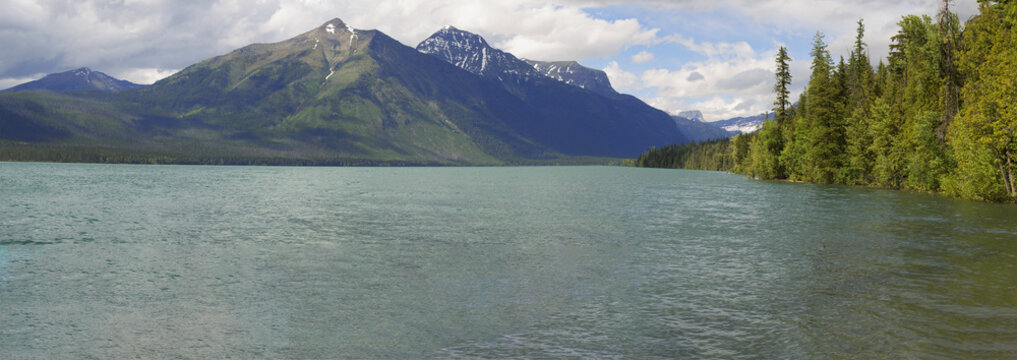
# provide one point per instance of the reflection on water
(255, 262)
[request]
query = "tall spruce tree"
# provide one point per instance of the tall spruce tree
(825, 144)
(860, 77)
(949, 34)
(859, 70)
(782, 104)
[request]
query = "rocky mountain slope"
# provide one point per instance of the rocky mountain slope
(572, 73)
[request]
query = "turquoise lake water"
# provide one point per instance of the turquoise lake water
(124, 261)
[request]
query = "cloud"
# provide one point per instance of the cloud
(144, 76)
(733, 79)
(715, 108)
(145, 40)
(620, 79)
(745, 73)
(130, 36)
(748, 79)
(713, 50)
(12, 82)
(642, 57)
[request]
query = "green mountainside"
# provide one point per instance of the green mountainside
(333, 95)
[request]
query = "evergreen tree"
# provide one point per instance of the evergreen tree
(860, 158)
(949, 33)
(764, 151)
(940, 114)
(782, 104)
(825, 145)
(859, 70)
(986, 130)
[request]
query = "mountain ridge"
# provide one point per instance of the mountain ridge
(75, 80)
(575, 74)
(615, 125)
(339, 95)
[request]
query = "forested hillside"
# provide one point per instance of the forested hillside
(939, 115)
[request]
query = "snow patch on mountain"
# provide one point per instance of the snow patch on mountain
(744, 124)
(743, 129)
(572, 73)
(472, 53)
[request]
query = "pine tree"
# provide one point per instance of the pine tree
(950, 35)
(987, 126)
(859, 70)
(825, 145)
(782, 105)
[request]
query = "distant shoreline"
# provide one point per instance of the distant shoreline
(71, 154)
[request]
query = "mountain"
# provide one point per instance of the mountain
(699, 131)
(335, 95)
(743, 124)
(692, 115)
(572, 120)
(351, 93)
(572, 73)
(472, 53)
(79, 79)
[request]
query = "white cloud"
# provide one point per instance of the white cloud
(140, 40)
(12, 82)
(144, 76)
(713, 50)
(123, 37)
(731, 70)
(620, 79)
(715, 108)
(642, 57)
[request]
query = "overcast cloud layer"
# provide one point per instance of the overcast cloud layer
(666, 63)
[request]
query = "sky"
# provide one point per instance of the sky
(716, 56)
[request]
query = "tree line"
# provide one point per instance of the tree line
(939, 115)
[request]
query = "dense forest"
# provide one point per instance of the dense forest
(939, 115)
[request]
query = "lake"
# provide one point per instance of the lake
(117, 261)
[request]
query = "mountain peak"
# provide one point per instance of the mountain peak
(453, 33)
(81, 78)
(692, 115)
(572, 73)
(337, 26)
(472, 53)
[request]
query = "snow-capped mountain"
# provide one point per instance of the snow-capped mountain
(78, 79)
(691, 115)
(699, 131)
(570, 109)
(572, 73)
(743, 124)
(734, 125)
(472, 53)
(335, 94)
